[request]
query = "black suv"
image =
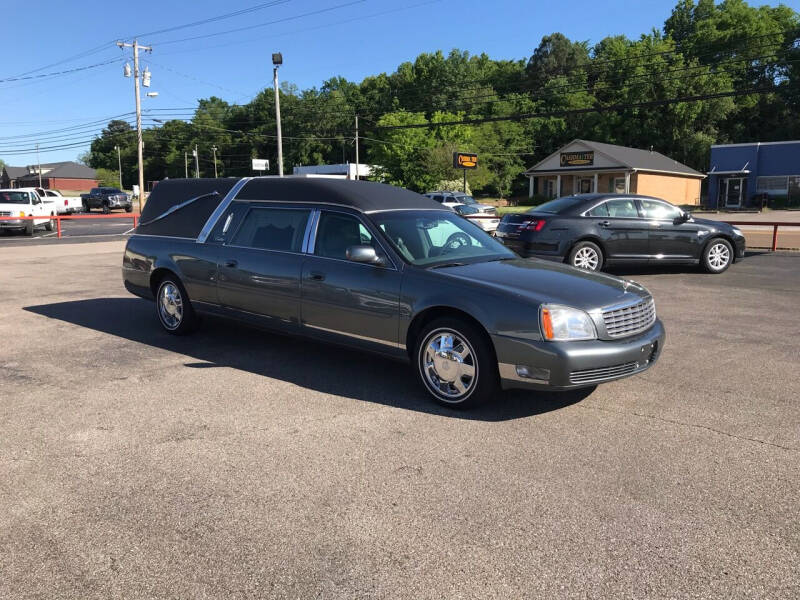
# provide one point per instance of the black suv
(106, 198)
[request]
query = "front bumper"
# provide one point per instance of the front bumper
(572, 365)
(13, 223)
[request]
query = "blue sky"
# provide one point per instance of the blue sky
(347, 38)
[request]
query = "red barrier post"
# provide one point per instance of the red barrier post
(134, 221)
(774, 238)
(58, 226)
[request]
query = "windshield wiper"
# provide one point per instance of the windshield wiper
(499, 258)
(450, 264)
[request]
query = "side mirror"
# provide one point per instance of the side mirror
(36, 200)
(684, 217)
(364, 254)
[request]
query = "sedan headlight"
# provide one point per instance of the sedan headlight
(562, 323)
(737, 231)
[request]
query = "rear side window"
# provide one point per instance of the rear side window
(601, 210)
(622, 208)
(273, 229)
(439, 198)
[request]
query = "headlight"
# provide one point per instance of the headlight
(737, 231)
(562, 323)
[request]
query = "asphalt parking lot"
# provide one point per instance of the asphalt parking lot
(76, 230)
(236, 463)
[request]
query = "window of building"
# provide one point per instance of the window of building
(273, 229)
(772, 184)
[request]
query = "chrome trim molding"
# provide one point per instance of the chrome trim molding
(355, 336)
(311, 232)
(177, 207)
(164, 237)
(220, 210)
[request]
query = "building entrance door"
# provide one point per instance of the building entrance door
(734, 186)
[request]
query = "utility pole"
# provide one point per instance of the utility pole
(196, 163)
(214, 150)
(39, 163)
(119, 162)
(186, 163)
(277, 60)
(356, 147)
(139, 145)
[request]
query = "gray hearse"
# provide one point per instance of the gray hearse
(389, 271)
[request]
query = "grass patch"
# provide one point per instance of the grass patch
(504, 210)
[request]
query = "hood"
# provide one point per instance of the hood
(544, 281)
(718, 225)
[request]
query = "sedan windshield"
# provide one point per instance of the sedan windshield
(465, 199)
(14, 198)
(558, 205)
(430, 238)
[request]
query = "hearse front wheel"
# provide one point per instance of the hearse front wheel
(174, 310)
(455, 364)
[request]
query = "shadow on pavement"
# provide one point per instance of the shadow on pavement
(322, 367)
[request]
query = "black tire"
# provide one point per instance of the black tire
(29, 228)
(106, 209)
(717, 256)
(51, 224)
(86, 208)
(129, 208)
(187, 320)
(480, 387)
(586, 255)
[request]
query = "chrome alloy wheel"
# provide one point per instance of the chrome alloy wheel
(170, 305)
(449, 365)
(586, 258)
(719, 255)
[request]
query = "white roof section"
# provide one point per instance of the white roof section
(345, 170)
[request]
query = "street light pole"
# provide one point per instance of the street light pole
(214, 150)
(277, 60)
(196, 163)
(186, 164)
(356, 147)
(119, 162)
(139, 145)
(39, 163)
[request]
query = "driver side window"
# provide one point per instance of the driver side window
(336, 232)
(653, 209)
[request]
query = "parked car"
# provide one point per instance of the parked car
(107, 199)
(64, 205)
(486, 222)
(25, 203)
(591, 231)
(450, 199)
(389, 271)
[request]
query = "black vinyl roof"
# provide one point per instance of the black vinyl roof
(181, 207)
(365, 196)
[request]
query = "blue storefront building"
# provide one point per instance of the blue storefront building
(754, 175)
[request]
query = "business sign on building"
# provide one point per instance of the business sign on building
(260, 164)
(577, 159)
(464, 160)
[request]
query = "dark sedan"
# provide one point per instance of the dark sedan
(594, 230)
(387, 271)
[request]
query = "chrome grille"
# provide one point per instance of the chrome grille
(630, 320)
(604, 374)
(5, 213)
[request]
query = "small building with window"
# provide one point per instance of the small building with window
(586, 167)
(754, 174)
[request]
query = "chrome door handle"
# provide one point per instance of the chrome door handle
(317, 276)
(604, 223)
(232, 263)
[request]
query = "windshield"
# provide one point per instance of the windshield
(465, 209)
(14, 198)
(559, 205)
(465, 199)
(428, 238)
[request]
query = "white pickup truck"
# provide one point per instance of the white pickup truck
(25, 203)
(63, 205)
